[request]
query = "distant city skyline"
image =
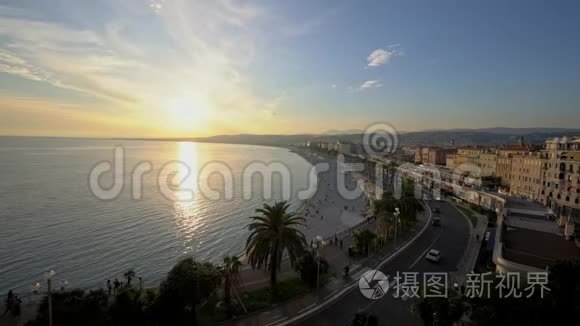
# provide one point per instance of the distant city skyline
(170, 68)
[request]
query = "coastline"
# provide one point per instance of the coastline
(327, 213)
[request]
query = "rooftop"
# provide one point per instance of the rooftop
(537, 249)
(531, 238)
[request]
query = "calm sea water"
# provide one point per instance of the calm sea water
(49, 219)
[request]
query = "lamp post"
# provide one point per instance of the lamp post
(396, 214)
(316, 246)
(63, 284)
(48, 276)
(35, 290)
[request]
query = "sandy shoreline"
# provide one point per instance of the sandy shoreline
(327, 212)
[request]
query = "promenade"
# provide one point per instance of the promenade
(337, 258)
(327, 215)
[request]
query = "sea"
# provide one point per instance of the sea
(90, 209)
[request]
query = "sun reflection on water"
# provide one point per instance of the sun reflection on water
(187, 203)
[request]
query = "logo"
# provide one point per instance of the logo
(380, 139)
(373, 284)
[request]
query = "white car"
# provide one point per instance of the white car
(433, 255)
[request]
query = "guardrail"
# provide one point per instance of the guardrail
(343, 233)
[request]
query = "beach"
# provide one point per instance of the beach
(327, 213)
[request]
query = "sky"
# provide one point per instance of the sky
(177, 68)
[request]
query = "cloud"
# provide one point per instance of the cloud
(380, 57)
(190, 53)
(370, 84)
(333, 86)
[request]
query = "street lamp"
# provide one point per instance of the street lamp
(316, 246)
(48, 276)
(396, 214)
(456, 287)
(63, 284)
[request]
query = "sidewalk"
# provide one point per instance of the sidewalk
(336, 257)
(337, 286)
(471, 253)
(27, 313)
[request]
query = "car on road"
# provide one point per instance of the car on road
(433, 255)
(436, 221)
(436, 210)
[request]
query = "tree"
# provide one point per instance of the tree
(129, 275)
(565, 287)
(129, 308)
(442, 310)
(363, 240)
(75, 307)
(307, 265)
(187, 284)
(408, 205)
(273, 233)
(230, 271)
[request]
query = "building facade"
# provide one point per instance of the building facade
(561, 178)
(505, 162)
(526, 175)
(488, 164)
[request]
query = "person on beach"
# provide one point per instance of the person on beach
(109, 287)
(9, 302)
(116, 284)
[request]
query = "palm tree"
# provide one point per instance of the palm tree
(408, 205)
(272, 233)
(129, 275)
(230, 270)
(363, 240)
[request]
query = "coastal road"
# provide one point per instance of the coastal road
(450, 238)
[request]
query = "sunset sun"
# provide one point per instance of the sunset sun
(186, 113)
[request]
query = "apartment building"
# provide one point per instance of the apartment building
(504, 170)
(468, 155)
(433, 155)
(504, 161)
(488, 163)
(484, 158)
(451, 161)
(526, 175)
(561, 178)
(422, 154)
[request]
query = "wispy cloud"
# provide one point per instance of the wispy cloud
(370, 84)
(380, 57)
(191, 54)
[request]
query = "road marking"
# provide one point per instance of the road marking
(345, 291)
(276, 321)
(427, 250)
(310, 306)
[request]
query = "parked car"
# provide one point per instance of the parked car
(436, 221)
(433, 255)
